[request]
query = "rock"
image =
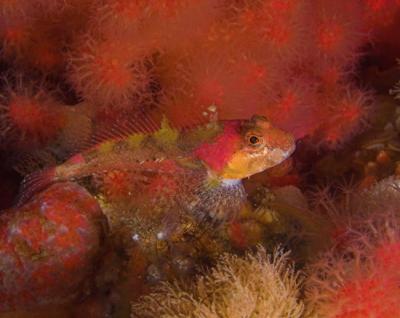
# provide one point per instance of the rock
(49, 247)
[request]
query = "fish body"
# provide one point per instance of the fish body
(199, 169)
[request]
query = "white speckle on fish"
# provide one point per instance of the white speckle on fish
(230, 182)
(160, 236)
(212, 108)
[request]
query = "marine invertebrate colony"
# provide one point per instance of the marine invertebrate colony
(291, 60)
(259, 285)
(30, 115)
(360, 276)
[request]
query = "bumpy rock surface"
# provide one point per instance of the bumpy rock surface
(48, 247)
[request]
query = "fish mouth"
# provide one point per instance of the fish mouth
(291, 150)
(279, 155)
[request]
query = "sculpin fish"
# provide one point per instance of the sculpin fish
(198, 170)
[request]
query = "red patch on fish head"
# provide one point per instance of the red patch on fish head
(216, 154)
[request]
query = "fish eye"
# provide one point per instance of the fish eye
(255, 140)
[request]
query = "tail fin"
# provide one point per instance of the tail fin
(34, 183)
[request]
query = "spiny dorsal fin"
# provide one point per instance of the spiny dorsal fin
(140, 122)
(143, 121)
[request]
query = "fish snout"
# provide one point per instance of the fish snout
(291, 145)
(281, 140)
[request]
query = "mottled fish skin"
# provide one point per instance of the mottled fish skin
(207, 163)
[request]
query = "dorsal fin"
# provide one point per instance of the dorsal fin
(145, 120)
(148, 122)
(140, 122)
(194, 118)
(80, 136)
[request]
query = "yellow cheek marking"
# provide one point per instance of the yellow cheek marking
(244, 164)
(237, 167)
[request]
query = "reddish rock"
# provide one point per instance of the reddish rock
(48, 247)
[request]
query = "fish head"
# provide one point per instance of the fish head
(262, 146)
(246, 147)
